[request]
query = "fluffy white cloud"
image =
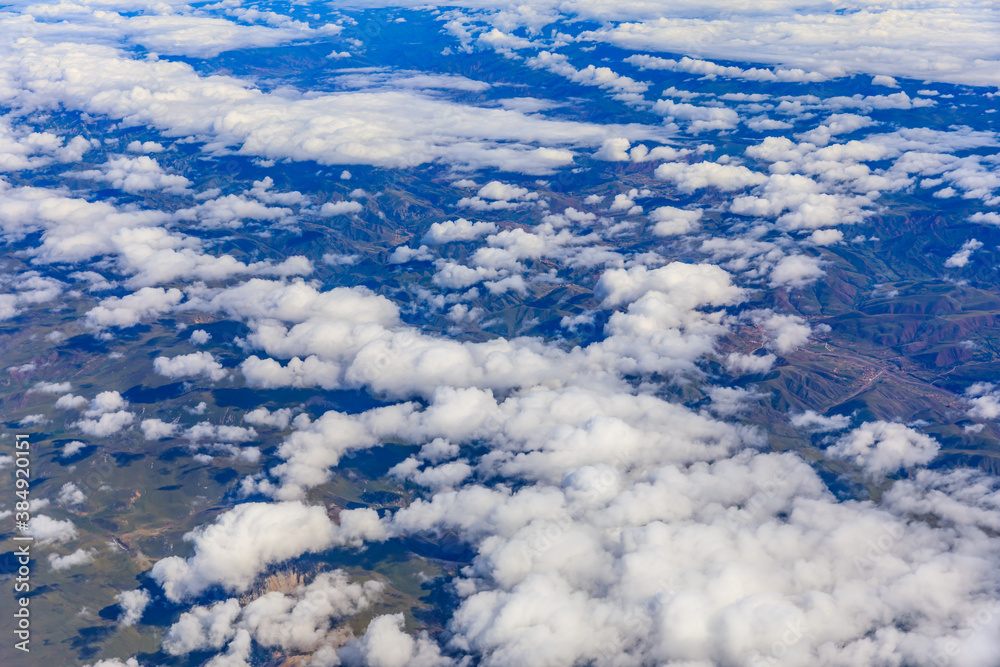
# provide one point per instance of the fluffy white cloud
(116, 662)
(798, 201)
(186, 365)
(796, 271)
(408, 79)
(105, 402)
(623, 87)
(989, 218)
(338, 128)
(725, 177)
(104, 414)
(51, 387)
(47, 530)
(299, 620)
(78, 557)
(155, 429)
(550, 569)
(688, 284)
(710, 70)
(161, 30)
(671, 221)
(127, 311)
(626, 202)
(385, 644)
(340, 208)
(133, 604)
(22, 147)
(985, 400)
(884, 447)
(236, 655)
(70, 494)
(144, 147)
(813, 421)
(701, 117)
(460, 229)
(904, 41)
(105, 425)
(599, 460)
(234, 549)
(749, 363)
(826, 237)
(200, 336)
(32, 420)
(961, 258)
(220, 432)
(230, 211)
(497, 195)
(731, 400)
(765, 124)
(785, 332)
(308, 372)
(31, 289)
(607, 523)
(136, 175)
(202, 628)
(838, 123)
(71, 448)
(279, 418)
(614, 149)
(74, 230)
